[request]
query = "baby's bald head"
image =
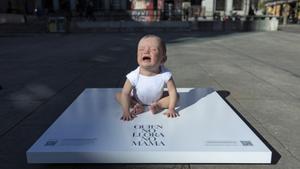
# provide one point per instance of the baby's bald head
(161, 44)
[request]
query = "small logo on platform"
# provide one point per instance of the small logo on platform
(51, 142)
(148, 135)
(246, 143)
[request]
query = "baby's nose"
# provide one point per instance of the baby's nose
(146, 50)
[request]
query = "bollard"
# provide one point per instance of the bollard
(57, 24)
(51, 24)
(266, 23)
(61, 24)
(274, 24)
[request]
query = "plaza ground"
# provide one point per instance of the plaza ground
(41, 74)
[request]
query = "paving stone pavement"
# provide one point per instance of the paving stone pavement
(41, 74)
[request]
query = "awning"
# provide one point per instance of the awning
(279, 2)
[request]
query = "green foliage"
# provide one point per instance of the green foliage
(261, 5)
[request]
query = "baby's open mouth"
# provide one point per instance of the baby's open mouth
(146, 58)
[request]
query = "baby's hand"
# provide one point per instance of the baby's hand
(128, 116)
(137, 109)
(171, 113)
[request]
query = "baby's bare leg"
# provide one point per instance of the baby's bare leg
(137, 107)
(163, 103)
(160, 104)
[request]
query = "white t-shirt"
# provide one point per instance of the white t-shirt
(148, 89)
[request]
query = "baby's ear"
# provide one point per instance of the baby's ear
(164, 59)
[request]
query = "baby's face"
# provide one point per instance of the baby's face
(149, 54)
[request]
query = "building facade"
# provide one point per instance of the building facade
(280, 8)
(29, 6)
(154, 9)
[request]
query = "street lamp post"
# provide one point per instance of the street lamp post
(285, 12)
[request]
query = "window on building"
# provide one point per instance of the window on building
(220, 5)
(155, 4)
(196, 2)
(237, 4)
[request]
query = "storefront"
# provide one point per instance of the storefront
(139, 10)
(280, 8)
(155, 10)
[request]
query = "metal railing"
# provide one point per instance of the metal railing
(145, 15)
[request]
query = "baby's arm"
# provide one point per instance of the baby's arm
(173, 96)
(125, 101)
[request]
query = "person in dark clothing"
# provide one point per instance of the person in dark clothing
(9, 7)
(80, 8)
(90, 11)
(251, 11)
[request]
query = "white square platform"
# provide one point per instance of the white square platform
(207, 131)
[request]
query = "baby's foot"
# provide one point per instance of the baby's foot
(137, 109)
(155, 108)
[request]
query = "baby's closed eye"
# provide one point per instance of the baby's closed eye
(154, 49)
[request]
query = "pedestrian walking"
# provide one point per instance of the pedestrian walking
(90, 11)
